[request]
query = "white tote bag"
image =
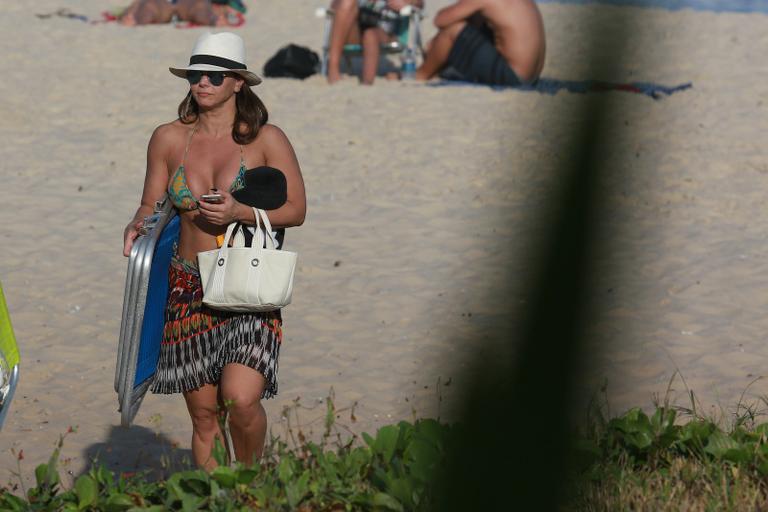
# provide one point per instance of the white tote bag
(248, 279)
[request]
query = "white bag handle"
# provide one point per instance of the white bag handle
(263, 231)
(216, 283)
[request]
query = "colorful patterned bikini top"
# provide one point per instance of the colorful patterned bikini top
(178, 190)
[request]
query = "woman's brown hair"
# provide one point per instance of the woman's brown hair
(250, 115)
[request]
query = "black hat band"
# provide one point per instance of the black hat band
(216, 61)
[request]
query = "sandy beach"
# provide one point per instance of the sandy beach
(414, 194)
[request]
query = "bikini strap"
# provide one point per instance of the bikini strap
(189, 140)
(242, 156)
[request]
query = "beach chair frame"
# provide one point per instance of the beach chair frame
(9, 350)
(409, 38)
(132, 379)
(8, 398)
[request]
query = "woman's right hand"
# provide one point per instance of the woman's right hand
(130, 234)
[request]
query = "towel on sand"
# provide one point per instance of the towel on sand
(676, 5)
(553, 86)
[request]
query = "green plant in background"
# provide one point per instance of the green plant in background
(673, 458)
(392, 470)
(666, 459)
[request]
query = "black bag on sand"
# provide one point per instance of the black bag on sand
(292, 61)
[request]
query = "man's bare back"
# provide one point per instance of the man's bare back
(517, 28)
(518, 33)
(494, 42)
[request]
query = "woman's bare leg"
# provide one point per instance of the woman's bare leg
(372, 40)
(344, 30)
(241, 389)
(439, 49)
(202, 405)
(199, 12)
(145, 12)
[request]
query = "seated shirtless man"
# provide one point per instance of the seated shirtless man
(145, 12)
(496, 42)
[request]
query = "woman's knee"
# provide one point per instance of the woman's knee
(372, 36)
(452, 31)
(205, 420)
(240, 400)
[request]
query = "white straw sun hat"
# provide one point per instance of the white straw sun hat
(224, 51)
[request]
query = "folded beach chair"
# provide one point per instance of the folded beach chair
(407, 43)
(9, 360)
(146, 292)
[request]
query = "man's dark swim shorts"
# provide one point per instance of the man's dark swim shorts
(474, 58)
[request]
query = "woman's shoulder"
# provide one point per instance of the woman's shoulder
(172, 130)
(270, 133)
(170, 134)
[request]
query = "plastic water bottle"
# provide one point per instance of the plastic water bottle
(408, 67)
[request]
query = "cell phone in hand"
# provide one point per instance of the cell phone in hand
(212, 198)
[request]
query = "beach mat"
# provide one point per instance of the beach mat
(676, 5)
(146, 292)
(553, 86)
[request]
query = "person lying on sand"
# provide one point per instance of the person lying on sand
(362, 22)
(496, 42)
(199, 12)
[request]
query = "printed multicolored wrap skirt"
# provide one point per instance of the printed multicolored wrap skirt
(198, 342)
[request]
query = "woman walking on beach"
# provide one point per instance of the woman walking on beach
(210, 356)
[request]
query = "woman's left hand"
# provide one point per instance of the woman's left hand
(223, 213)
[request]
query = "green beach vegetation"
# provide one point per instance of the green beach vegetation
(670, 459)
(675, 458)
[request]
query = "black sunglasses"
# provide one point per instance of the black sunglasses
(216, 78)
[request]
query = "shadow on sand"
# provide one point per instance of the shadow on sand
(134, 449)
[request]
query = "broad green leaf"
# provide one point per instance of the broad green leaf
(195, 482)
(401, 488)
(220, 453)
(285, 470)
(432, 430)
(296, 491)
(175, 491)
(52, 472)
(697, 432)
(719, 444)
(738, 455)
(87, 490)
(423, 458)
(330, 414)
(191, 503)
(246, 476)
(13, 503)
(663, 419)
(119, 502)
(368, 439)
(40, 473)
(386, 501)
(386, 441)
(639, 439)
(225, 476)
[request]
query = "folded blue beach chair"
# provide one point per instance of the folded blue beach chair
(146, 293)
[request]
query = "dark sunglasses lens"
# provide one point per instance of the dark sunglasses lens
(194, 77)
(215, 77)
